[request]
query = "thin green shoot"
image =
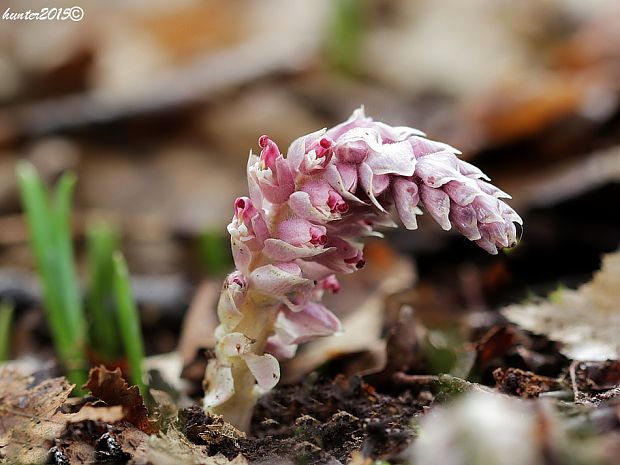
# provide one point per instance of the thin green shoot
(129, 321)
(101, 242)
(214, 252)
(6, 320)
(345, 34)
(48, 220)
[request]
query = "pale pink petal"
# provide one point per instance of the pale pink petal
(434, 173)
(465, 221)
(490, 189)
(345, 256)
(395, 133)
(278, 349)
(253, 188)
(313, 321)
(496, 233)
(406, 198)
(437, 204)
(282, 251)
(396, 158)
(462, 192)
(471, 171)
(274, 281)
(357, 119)
(313, 270)
(487, 245)
(219, 386)
(233, 292)
(233, 345)
(265, 368)
(284, 175)
(242, 256)
(423, 147)
(366, 181)
(380, 182)
(298, 148)
(343, 178)
(295, 231)
(330, 283)
(299, 202)
(487, 209)
(509, 214)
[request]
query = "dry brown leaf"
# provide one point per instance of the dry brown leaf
(134, 443)
(200, 322)
(357, 458)
(29, 416)
(78, 453)
(110, 387)
(586, 321)
(523, 383)
(173, 448)
(104, 414)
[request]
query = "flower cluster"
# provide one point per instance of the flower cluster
(305, 220)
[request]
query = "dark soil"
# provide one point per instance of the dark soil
(320, 421)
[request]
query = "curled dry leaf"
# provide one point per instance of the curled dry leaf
(586, 321)
(173, 448)
(597, 376)
(523, 383)
(30, 416)
(110, 387)
(104, 414)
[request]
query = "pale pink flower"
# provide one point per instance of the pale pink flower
(306, 219)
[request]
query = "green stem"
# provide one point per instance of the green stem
(129, 320)
(50, 238)
(101, 242)
(6, 318)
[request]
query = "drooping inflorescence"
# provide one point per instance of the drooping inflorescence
(305, 220)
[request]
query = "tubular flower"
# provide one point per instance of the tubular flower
(305, 220)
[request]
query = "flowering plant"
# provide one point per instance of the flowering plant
(305, 220)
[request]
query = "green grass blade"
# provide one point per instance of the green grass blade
(70, 290)
(214, 252)
(6, 319)
(101, 242)
(36, 207)
(129, 320)
(344, 35)
(51, 245)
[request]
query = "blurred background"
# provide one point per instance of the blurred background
(156, 104)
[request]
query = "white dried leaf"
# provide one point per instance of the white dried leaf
(486, 429)
(586, 321)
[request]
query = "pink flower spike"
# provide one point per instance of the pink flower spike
(306, 219)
